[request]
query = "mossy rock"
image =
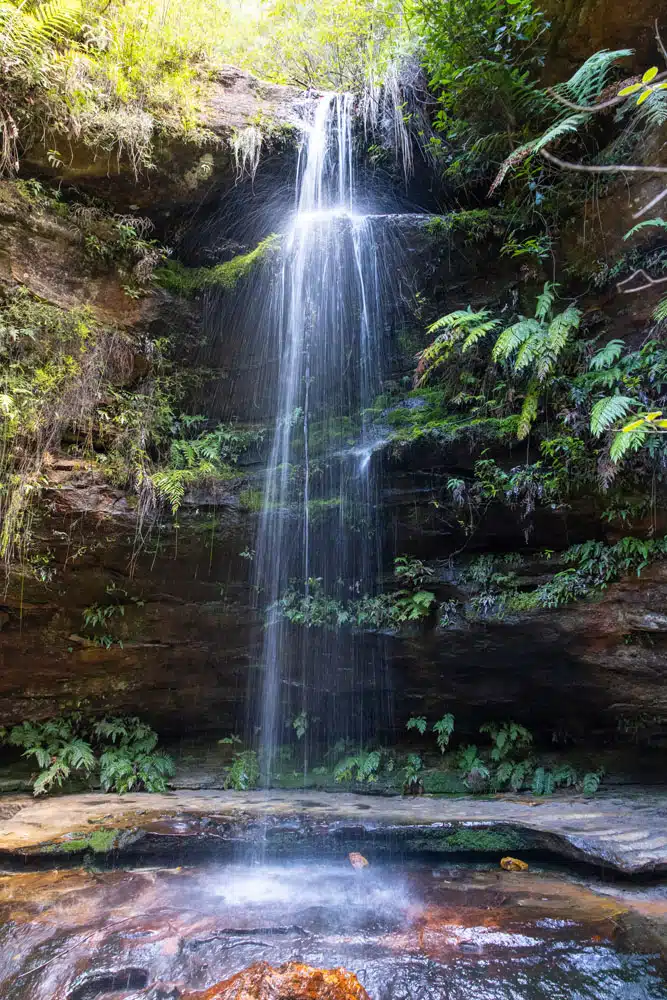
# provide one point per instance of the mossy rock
(98, 841)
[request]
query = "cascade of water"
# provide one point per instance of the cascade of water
(318, 522)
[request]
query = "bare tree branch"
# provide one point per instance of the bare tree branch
(652, 203)
(611, 168)
(659, 41)
(646, 278)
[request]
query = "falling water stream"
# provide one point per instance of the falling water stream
(318, 527)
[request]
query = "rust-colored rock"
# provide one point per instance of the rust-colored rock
(513, 865)
(291, 981)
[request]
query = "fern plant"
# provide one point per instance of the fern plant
(363, 766)
(243, 773)
(443, 730)
(463, 328)
(533, 346)
(508, 738)
(207, 456)
(122, 749)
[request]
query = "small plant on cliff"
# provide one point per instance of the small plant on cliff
(443, 728)
(413, 782)
(243, 772)
(121, 749)
(363, 766)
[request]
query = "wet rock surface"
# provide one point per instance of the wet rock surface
(292, 981)
(626, 833)
(405, 931)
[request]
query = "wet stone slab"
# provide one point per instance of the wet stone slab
(625, 833)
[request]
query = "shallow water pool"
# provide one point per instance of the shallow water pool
(408, 930)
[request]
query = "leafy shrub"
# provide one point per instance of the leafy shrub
(508, 738)
(591, 781)
(380, 611)
(243, 773)
(413, 780)
(443, 730)
(122, 749)
(363, 766)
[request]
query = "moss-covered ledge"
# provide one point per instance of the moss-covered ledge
(627, 833)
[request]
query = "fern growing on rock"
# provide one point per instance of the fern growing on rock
(121, 751)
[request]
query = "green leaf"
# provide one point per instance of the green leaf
(632, 89)
(643, 225)
(608, 411)
(650, 74)
(627, 442)
(644, 97)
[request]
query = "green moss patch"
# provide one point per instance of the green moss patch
(98, 841)
(187, 281)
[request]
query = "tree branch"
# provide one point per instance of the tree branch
(659, 41)
(646, 278)
(612, 168)
(611, 103)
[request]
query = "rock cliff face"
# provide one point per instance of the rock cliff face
(185, 649)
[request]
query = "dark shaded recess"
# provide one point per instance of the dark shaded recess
(98, 984)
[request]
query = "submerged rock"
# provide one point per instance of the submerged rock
(291, 981)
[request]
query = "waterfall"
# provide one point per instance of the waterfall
(318, 527)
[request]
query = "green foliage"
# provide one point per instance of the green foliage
(413, 779)
(546, 780)
(383, 611)
(592, 781)
(472, 768)
(443, 730)
(123, 751)
(609, 411)
(243, 773)
(412, 571)
(479, 56)
(206, 457)
(532, 347)
(462, 325)
(593, 566)
(187, 281)
(98, 616)
(508, 738)
(300, 725)
(363, 766)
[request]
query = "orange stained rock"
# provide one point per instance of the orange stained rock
(513, 865)
(357, 860)
(291, 981)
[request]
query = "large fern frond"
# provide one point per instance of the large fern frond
(590, 79)
(607, 355)
(660, 311)
(528, 413)
(607, 411)
(627, 442)
(24, 34)
(460, 319)
(642, 225)
(561, 329)
(546, 300)
(511, 339)
(560, 128)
